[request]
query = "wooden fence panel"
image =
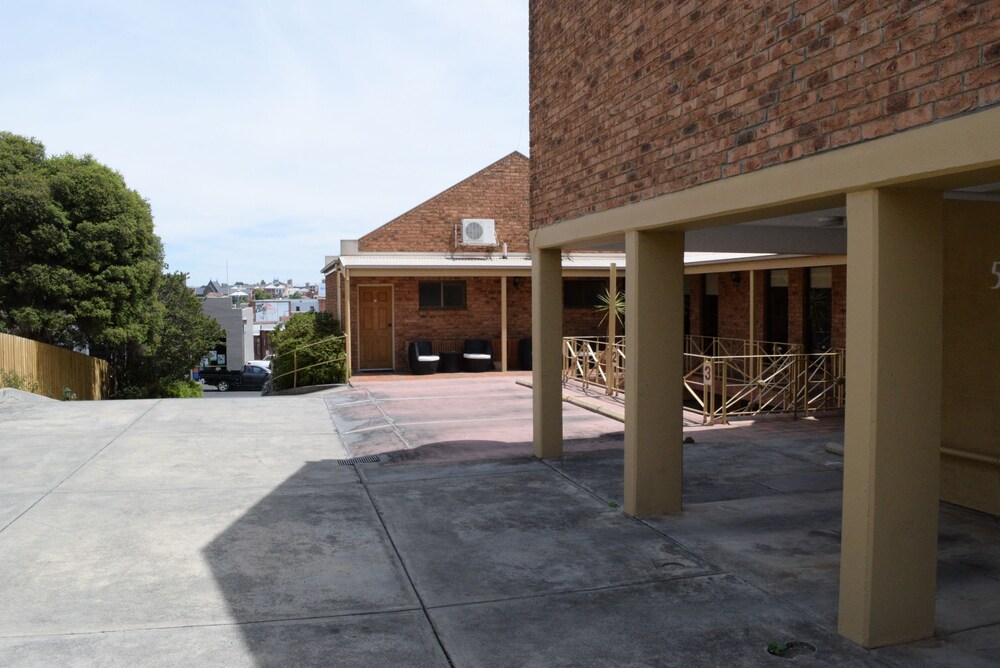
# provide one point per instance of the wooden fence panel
(54, 368)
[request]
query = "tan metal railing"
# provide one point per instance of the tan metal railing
(725, 378)
(714, 346)
(588, 360)
(723, 387)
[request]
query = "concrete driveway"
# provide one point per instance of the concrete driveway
(185, 532)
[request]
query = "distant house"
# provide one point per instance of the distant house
(268, 314)
(238, 325)
(211, 289)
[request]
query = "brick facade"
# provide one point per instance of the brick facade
(499, 191)
(481, 319)
(734, 305)
(839, 310)
(631, 99)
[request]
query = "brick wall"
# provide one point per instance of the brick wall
(633, 99)
(696, 286)
(734, 305)
(797, 305)
(586, 321)
(481, 318)
(838, 307)
(499, 191)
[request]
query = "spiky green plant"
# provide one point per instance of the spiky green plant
(611, 302)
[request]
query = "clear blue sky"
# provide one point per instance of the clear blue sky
(263, 132)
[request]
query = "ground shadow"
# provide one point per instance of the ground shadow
(311, 578)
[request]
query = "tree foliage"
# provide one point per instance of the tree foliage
(78, 257)
(310, 343)
(80, 264)
(180, 333)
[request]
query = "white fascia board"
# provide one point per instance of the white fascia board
(570, 261)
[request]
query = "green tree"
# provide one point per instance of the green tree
(80, 266)
(79, 260)
(180, 333)
(310, 343)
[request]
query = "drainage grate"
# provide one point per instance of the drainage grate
(367, 459)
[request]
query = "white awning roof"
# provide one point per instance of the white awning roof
(514, 261)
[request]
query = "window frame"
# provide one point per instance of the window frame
(600, 285)
(440, 304)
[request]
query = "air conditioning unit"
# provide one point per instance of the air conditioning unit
(479, 232)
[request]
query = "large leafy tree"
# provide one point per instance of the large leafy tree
(180, 333)
(80, 264)
(79, 260)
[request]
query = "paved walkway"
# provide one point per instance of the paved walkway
(184, 532)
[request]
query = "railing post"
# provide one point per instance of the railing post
(797, 368)
(725, 393)
(707, 397)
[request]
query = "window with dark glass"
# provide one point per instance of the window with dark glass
(583, 292)
(442, 294)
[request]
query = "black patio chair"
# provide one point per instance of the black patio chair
(477, 355)
(423, 361)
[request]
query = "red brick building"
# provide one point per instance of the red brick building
(862, 135)
(420, 276)
(426, 247)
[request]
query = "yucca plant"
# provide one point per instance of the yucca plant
(611, 302)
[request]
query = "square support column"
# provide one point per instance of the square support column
(546, 351)
(654, 348)
(892, 432)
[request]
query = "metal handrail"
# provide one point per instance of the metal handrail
(759, 377)
(586, 359)
(295, 359)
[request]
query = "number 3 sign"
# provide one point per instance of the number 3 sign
(996, 272)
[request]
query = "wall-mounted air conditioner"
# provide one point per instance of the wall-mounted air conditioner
(479, 232)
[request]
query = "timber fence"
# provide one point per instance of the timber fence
(49, 370)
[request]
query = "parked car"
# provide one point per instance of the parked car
(249, 378)
(263, 364)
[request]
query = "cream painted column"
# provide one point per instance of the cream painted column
(546, 351)
(503, 323)
(654, 347)
(347, 321)
(611, 384)
(892, 433)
